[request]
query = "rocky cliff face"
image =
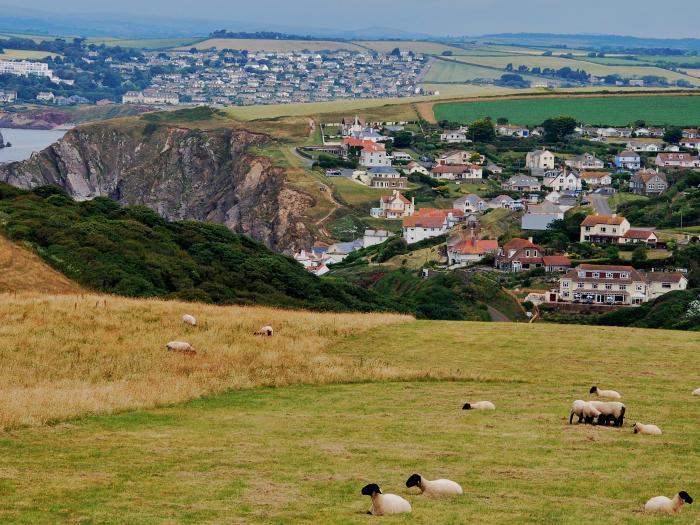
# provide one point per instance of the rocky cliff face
(180, 173)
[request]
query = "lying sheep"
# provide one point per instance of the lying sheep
(610, 394)
(189, 319)
(479, 405)
(265, 330)
(667, 505)
(696, 392)
(610, 411)
(179, 346)
(437, 487)
(652, 430)
(585, 412)
(384, 504)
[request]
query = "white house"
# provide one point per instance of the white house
(470, 204)
(454, 137)
(430, 222)
(644, 146)
(562, 181)
(540, 160)
(374, 155)
(374, 237)
(394, 206)
(470, 250)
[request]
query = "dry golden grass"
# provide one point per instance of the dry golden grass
(22, 270)
(66, 356)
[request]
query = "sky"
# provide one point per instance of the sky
(435, 17)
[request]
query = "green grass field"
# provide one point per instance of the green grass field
(301, 454)
(22, 54)
(255, 45)
(450, 71)
(675, 110)
(144, 43)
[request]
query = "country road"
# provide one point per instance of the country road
(600, 203)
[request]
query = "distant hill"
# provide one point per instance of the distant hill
(592, 41)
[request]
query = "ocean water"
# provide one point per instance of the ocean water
(25, 142)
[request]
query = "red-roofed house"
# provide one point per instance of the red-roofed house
(470, 250)
(457, 172)
(604, 229)
(394, 206)
(635, 235)
(519, 254)
(430, 222)
(556, 263)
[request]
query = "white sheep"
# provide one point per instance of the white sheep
(610, 394)
(667, 505)
(189, 319)
(384, 504)
(436, 487)
(479, 405)
(180, 346)
(585, 412)
(610, 411)
(652, 430)
(265, 330)
(696, 392)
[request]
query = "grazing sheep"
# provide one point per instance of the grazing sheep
(667, 505)
(610, 411)
(384, 504)
(437, 487)
(189, 319)
(265, 330)
(585, 412)
(652, 430)
(696, 392)
(610, 394)
(179, 346)
(479, 405)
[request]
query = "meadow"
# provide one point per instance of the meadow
(22, 54)
(613, 110)
(282, 46)
(144, 43)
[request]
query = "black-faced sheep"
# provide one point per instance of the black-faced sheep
(585, 412)
(610, 394)
(610, 412)
(384, 504)
(668, 505)
(651, 430)
(437, 487)
(479, 405)
(189, 319)
(182, 347)
(266, 331)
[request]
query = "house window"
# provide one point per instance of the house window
(624, 275)
(640, 288)
(666, 286)
(595, 286)
(603, 229)
(608, 275)
(588, 228)
(623, 287)
(596, 275)
(614, 230)
(579, 285)
(608, 286)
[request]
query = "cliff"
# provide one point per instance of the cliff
(206, 175)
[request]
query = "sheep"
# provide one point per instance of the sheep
(667, 505)
(179, 346)
(610, 411)
(652, 430)
(696, 392)
(384, 504)
(437, 487)
(189, 319)
(610, 394)
(265, 330)
(585, 412)
(479, 405)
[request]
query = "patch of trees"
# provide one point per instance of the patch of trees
(558, 129)
(577, 75)
(262, 35)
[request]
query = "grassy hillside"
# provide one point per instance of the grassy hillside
(301, 454)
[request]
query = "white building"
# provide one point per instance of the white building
(374, 237)
(562, 181)
(540, 160)
(430, 222)
(394, 206)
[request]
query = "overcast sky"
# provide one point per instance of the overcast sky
(671, 18)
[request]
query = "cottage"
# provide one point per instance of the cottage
(650, 183)
(596, 178)
(628, 160)
(460, 172)
(677, 160)
(587, 161)
(430, 222)
(394, 206)
(470, 204)
(519, 255)
(470, 250)
(540, 216)
(660, 283)
(522, 183)
(540, 160)
(640, 235)
(604, 229)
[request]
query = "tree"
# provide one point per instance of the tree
(502, 121)
(639, 254)
(558, 129)
(403, 139)
(482, 130)
(673, 135)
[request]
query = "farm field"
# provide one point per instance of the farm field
(256, 45)
(22, 54)
(448, 71)
(144, 43)
(428, 48)
(301, 453)
(614, 110)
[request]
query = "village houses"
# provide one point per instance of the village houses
(677, 160)
(539, 160)
(394, 206)
(430, 222)
(649, 183)
(614, 229)
(586, 161)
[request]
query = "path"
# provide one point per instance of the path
(496, 316)
(600, 203)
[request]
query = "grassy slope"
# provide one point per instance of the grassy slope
(301, 454)
(21, 54)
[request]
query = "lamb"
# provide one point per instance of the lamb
(667, 505)
(652, 430)
(479, 405)
(265, 330)
(609, 411)
(585, 412)
(696, 392)
(179, 346)
(610, 394)
(437, 487)
(189, 319)
(384, 504)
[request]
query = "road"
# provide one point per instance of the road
(600, 203)
(496, 316)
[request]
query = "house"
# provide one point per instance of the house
(400, 156)
(523, 183)
(690, 143)
(649, 183)
(518, 255)
(470, 250)
(604, 229)
(454, 137)
(352, 125)
(313, 263)
(556, 263)
(628, 160)
(596, 178)
(494, 168)
(540, 160)
(414, 167)
(7, 97)
(374, 155)
(460, 157)
(45, 96)
(660, 283)
(339, 251)
(644, 146)
(511, 130)
(386, 177)
(562, 181)
(640, 235)
(394, 206)
(430, 222)
(374, 237)
(540, 216)
(470, 204)
(457, 172)
(603, 285)
(649, 132)
(691, 133)
(586, 161)
(501, 201)
(677, 160)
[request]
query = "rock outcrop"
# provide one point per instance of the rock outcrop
(181, 173)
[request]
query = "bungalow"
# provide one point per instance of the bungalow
(518, 255)
(690, 143)
(454, 137)
(522, 183)
(457, 172)
(628, 160)
(460, 157)
(677, 160)
(394, 206)
(470, 250)
(650, 183)
(562, 181)
(649, 132)
(502, 201)
(556, 263)
(511, 130)
(660, 283)
(596, 178)
(604, 229)
(691, 133)
(638, 236)
(587, 161)
(430, 222)
(540, 160)
(644, 146)
(470, 204)
(540, 216)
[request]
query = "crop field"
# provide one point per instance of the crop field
(255, 45)
(428, 48)
(144, 43)
(299, 449)
(22, 54)
(614, 110)
(454, 72)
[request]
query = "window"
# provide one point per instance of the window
(588, 228)
(666, 286)
(624, 275)
(595, 286)
(614, 230)
(640, 288)
(608, 286)
(623, 287)
(608, 275)
(596, 275)
(565, 284)
(579, 285)
(603, 229)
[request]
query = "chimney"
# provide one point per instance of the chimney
(529, 239)
(614, 214)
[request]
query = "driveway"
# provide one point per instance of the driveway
(600, 203)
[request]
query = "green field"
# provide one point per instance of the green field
(300, 454)
(144, 43)
(282, 46)
(22, 54)
(453, 72)
(674, 110)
